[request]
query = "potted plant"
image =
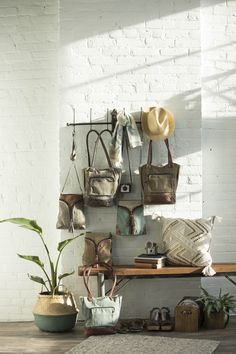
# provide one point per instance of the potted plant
(55, 309)
(217, 308)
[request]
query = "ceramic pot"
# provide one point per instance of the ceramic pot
(55, 313)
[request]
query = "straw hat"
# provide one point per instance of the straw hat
(158, 123)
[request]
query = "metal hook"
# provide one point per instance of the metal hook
(90, 119)
(141, 112)
(73, 149)
(73, 109)
(73, 121)
(107, 117)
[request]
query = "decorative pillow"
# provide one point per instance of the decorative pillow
(187, 242)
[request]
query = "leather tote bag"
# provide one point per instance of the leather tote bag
(101, 184)
(100, 312)
(130, 219)
(97, 249)
(159, 183)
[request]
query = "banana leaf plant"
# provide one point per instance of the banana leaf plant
(52, 279)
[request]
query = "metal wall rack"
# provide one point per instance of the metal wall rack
(111, 123)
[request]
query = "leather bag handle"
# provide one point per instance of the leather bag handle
(149, 161)
(87, 141)
(99, 138)
(86, 274)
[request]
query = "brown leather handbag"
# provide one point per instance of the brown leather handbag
(159, 183)
(97, 248)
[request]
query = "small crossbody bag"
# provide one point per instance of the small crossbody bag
(97, 248)
(130, 220)
(71, 213)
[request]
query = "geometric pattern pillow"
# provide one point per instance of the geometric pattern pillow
(187, 242)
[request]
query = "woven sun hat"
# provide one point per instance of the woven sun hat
(158, 123)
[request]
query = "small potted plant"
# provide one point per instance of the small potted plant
(55, 309)
(217, 308)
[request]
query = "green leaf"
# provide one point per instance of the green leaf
(65, 275)
(37, 279)
(25, 223)
(63, 244)
(34, 259)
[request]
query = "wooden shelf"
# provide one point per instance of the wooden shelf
(175, 271)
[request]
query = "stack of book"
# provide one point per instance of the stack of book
(150, 261)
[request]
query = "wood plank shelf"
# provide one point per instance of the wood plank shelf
(168, 271)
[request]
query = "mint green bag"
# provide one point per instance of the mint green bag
(101, 311)
(130, 220)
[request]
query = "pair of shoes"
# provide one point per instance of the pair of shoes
(166, 324)
(122, 327)
(127, 326)
(160, 320)
(136, 325)
(154, 324)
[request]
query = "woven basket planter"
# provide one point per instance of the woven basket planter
(56, 313)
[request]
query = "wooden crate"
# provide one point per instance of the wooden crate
(188, 315)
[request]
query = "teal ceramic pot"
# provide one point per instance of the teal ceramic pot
(56, 313)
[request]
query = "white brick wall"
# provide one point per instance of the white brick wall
(29, 143)
(132, 54)
(219, 127)
(128, 54)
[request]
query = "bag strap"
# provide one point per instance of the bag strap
(87, 140)
(77, 176)
(125, 142)
(170, 160)
(99, 138)
(72, 158)
(86, 274)
(87, 143)
(149, 161)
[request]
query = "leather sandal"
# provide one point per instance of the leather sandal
(136, 325)
(154, 324)
(122, 327)
(166, 323)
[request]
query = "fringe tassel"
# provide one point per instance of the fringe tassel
(208, 271)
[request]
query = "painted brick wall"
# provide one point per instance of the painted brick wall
(219, 127)
(132, 54)
(29, 143)
(113, 54)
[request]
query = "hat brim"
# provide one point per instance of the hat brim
(161, 136)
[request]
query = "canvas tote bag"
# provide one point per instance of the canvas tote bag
(159, 183)
(101, 184)
(104, 311)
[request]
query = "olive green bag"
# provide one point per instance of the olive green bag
(101, 185)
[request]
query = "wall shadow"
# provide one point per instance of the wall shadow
(92, 18)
